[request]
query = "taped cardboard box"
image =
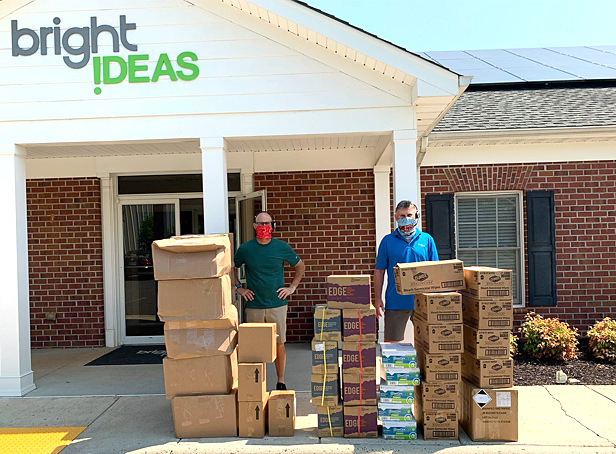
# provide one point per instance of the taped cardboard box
(489, 414)
(359, 357)
(252, 418)
(195, 299)
(486, 313)
(359, 389)
(282, 409)
(439, 308)
(439, 396)
(195, 338)
(330, 421)
(436, 425)
(251, 382)
(438, 338)
(359, 325)
(486, 343)
(487, 373)
(360, 421)
(425, 277)
(324, 357)
(205, 416)
(327, 323)
(485, 282)
(203, 375)
(440, 368)
(192, 257)
(257, 342)
(349, 291)
(325, 390)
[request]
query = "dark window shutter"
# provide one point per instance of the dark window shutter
(541, 248)
(439, 224)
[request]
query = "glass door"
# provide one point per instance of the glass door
(143, 223)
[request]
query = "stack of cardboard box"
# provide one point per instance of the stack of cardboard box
(489, 405)
(399, 378)
(194, 301)
(349, 310)
(438, 339)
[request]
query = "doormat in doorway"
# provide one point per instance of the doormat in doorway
(132, 354)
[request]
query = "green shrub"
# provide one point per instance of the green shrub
(549, 338)
(602, 340)
(513, 344)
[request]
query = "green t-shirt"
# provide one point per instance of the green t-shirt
(265, 270)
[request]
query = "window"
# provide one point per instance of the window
(489, 233)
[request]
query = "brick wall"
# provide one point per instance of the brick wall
(585, 201)
(65, 262)
(328, 218)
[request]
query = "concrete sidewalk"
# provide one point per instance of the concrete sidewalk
(137, 418)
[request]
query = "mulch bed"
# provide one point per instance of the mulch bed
(588, 370)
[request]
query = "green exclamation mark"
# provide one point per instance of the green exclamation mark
(96, 64)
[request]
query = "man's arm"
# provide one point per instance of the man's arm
(245, 293)
(379, 277)
(284, 292)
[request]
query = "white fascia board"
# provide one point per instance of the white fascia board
(8, 7)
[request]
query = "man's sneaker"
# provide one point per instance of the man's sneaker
(281, 386)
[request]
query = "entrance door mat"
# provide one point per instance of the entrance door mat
(132, 354)
(37, 440)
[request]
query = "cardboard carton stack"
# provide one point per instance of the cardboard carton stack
(350, 295)
(489, 405)
(399, 379)
(194, 301)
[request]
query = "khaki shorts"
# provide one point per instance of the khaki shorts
(277, 315)
(395, 323)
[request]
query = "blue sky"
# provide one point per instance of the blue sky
(424, 25)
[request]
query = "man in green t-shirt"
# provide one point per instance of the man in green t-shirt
(266, 294)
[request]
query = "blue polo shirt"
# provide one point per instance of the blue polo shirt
(395, 249)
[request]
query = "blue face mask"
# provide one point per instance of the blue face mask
(404, 222)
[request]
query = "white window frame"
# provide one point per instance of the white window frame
(520, 231)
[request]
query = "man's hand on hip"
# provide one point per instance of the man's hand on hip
(285, 292)
(247, 294)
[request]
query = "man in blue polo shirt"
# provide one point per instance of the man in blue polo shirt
(404, 245)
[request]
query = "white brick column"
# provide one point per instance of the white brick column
(16, 377)
(406, 182)
(215, 191)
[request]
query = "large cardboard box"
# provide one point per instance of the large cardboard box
(438, 338)
(485, 282)
(257, 343)
(360, 421)
(486, 343)
(327, 323)
(195, 299)
(439, 425)
(359, 389)
(488, 373)
(251, 382)
(489, 414)
(424, 277)
(487, 313)
(194, 338)
(439, 396)
(359, 325)
(325, 390)
(282, 413)
(439, 308)
(252, 418)
(348, 292)
(359, 357)
(192, 257)
(440, 368)
(324, 357)
(205, 416)
(203, 375)
(330, 421)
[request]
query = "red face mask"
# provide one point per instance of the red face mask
(264, 231)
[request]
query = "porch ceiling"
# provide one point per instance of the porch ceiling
(367, 142)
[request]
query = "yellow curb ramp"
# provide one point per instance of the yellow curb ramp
(36, 440)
